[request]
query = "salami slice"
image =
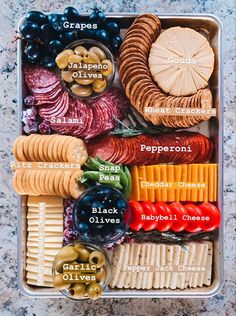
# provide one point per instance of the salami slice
(38, 77)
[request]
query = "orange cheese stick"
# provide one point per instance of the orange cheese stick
(215, 182)
(184, 177)
(194, 180)
(135, 195)
(150, 178)
(157, 178)
(164, 179)
(205, 196)
(211, 182)
(170, 179)
(177, 174)
(189, 179)
(142, 176)
(201, 180)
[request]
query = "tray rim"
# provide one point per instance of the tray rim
(123, 294)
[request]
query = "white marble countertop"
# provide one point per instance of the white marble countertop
(11, 301)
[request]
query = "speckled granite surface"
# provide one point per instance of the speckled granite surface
(11, 301)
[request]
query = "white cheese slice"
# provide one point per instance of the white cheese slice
(117, 262)
(49, 200)
(176, 261)
(157, 273)
(32, 215)
(202, 265)
(141, 263)
(137, 250)
(147, 266)
(47, 221)
(35, 276)
(207, 275)
(191, 261)
(123, 273)
(199, 255)
(184, 263)
(34, 269)
(150, 277)
(162, 265)
(34, 282)
(127, 283)
(169, 264)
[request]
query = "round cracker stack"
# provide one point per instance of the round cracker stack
(137, 81)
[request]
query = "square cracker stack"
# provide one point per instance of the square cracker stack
(45, 238)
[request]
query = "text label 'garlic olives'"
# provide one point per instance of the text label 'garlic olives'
(79, 273)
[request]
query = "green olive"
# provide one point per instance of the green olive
(94, 291)
(67, 254)
(78, 246)
(63, 57)
(98, 51)
(59, 266)
(109, 70)
(67, 75)
(77, 290)
(91, 58)
(59, 283)
(84, 82)
(81, 91)
(80, 50)
(99, 85)
(101, 275)
(76, 59)
(97, 258)
(83, 255)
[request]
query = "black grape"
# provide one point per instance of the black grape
(29, 30)
(37, 17)
(71, 14)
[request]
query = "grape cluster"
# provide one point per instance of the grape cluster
(46, 37)
(29, 116)
(69, 234)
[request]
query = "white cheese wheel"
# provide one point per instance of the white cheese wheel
(181, 61)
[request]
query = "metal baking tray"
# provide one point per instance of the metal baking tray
(212, 28)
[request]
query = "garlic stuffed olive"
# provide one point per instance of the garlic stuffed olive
(81, 259)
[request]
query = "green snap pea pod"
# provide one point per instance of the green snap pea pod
(113, 184)
(128, 188)
(93, 175)
(123, 178)
(93, 164)
(105, 162)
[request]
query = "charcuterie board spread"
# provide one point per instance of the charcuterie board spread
(120, 194)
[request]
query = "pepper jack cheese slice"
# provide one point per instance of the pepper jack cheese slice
(181, 61)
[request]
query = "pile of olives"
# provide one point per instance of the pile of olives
(89, 255)
(81, 82)
(47, 37)
(101, 215)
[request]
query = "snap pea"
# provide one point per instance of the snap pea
(128, 188)
(104, 162)
(123, 178)
(93, 164)
(93, 175)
